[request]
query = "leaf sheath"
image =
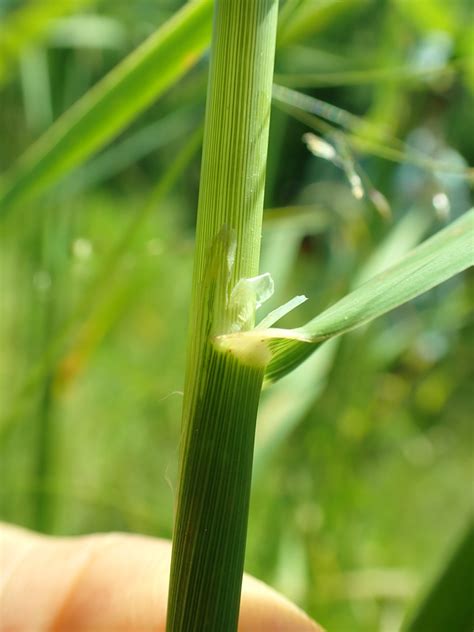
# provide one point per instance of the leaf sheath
(222, 390)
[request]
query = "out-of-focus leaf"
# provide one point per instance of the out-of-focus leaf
(306, 18)
(36, 87)
(362, 77)
(435, 15)
(283, 231)
(108, 107)
(133, 148)
(403, 237)
(28, 25)
(286, 403)
(449, 605)
(81, 344)
(87, 31)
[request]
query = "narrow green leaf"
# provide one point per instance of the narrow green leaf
(448, 252)
(110, 105)
(442, 256)
(401, 74)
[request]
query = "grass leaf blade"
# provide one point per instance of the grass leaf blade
(442, 256)
(107, 108)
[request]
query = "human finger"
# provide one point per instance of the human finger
(109, 582)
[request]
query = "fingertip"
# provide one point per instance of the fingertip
(113, 581)
(266, 610)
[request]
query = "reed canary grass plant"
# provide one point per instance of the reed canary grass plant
(230, 357)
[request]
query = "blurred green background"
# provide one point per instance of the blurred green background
(364, 457)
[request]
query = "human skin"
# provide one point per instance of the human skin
(109, 583)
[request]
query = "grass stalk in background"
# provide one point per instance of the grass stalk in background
(69, 336)
(222, 389)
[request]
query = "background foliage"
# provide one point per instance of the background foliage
(364, 455)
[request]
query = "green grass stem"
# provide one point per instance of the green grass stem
(222, 390)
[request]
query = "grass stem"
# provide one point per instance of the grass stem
(222, 390)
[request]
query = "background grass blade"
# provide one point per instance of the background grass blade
(449, 605)
(277, 418)
(130, 150)
(76, 338)
(442, 256)
(358, 77)
(108, 107)
(305, 18)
